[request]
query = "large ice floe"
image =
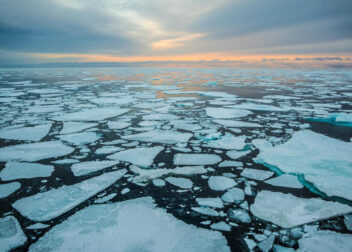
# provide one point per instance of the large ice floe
(324, 161)
(95, 114)
(50, 204)
(160, 136)
(34, 151)
(287, 210)
(11, 234)
(133, 225)
(138, 156)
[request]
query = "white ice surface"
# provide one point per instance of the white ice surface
(220, 183)
(84, 168)
(285, 180)
(22, 170)
(196, 159)
(160, 136)
(183, 183)
(226, 113)
(9, 188)
(35, 133)
(73, 127)
(94, 114)
(11, 234)
(138, 156)
(256, 174)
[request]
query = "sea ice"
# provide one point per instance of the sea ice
(94, 114)
(325, 241)
(35, 133)
(236, 154)
(239, 215)
(233, 195)
(196, 159)
(205, 211)
(325, 162)
(222, 226)
(210, 202)
(34, 151)
(80, 138)
(21, 170)
(84, 168)
(11, 234)
(160, 136)
(256, 174)
(139, 156)
(285, 180)
(228, 142)
(237, 124)
(226, 113)
(183, 183)
(9, 188)
(133, 225)
(290, 211)
(50, 204)
(220, 183)
(73, 127)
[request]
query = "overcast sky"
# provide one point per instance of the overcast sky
(109, 30)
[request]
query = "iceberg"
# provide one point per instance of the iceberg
(55, 202)
(132, 225)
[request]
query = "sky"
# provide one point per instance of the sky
(233, 32)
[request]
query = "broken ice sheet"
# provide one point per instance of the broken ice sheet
(285, 180)
(50, 204)
(196, 159)
(291, 211)
(73, 127)
(226, 113)
(9, 188)
(138, 156)
(256, 174)
(228, 142)
(325, 162)
(80, 138)
(95, 114)
(183, 183)
(128, 226)
(220, 183)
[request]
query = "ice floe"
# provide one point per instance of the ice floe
(80, 138)
(210, 202)
(287, 210)
(35, 133)
(84, 168)
(285, 180)
(9, 188)
(325, 162)
(226, 113)
(256, 174)
(160, 136)
(11, 234)
(131, 225)
(95, 114)
(73, 127)
(220, 183)
(50, 204)
(138, 156)
(183, 183)
(196, 159)
(34, 151)
(227, 142)
(22, 170)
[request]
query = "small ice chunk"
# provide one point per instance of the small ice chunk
(348, 221)
(160, 136)
(183, 183)
(158, 182)
(210, 202)
(47, 205)
(37, 226)
(256, 174)
(125, 190)
(35, 133)
(325, 241)
(21, 170)
(222, 226)
(84, 168)
(105, 198)
(196, 159)
(34, 151)
(205, 211)
(11, 234)
(220, 183)
(267, 244)
(285, 180)
(138, 156)
(291, 211)
(9, 188)
(239, 215)
(226, 113)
